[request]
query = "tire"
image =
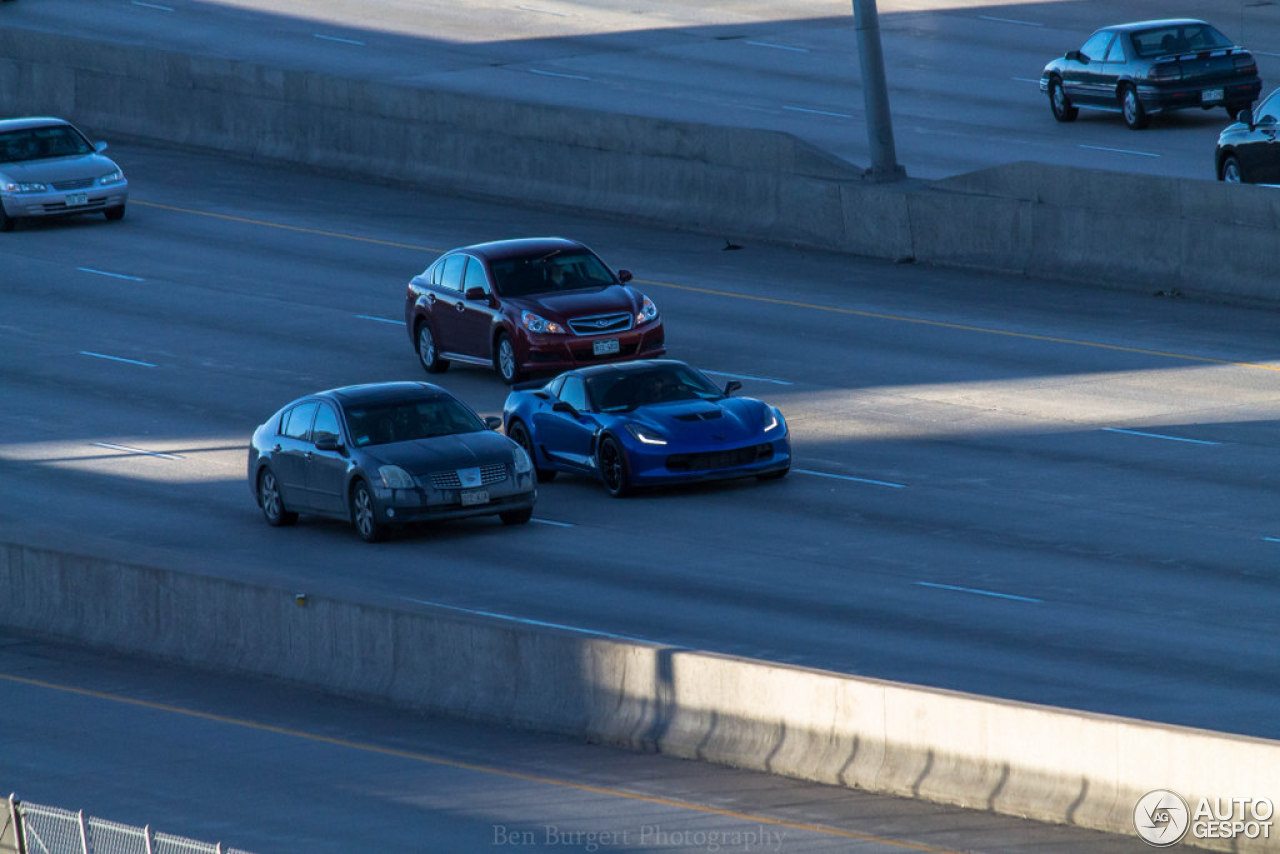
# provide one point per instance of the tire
(611, 462)
(1061, 106)
(363, 514)
(774, 475)
(1229, 172)
(504, 359)
(272, 502)
(1131, 108)
(428, 355)
(516, 517)
(114, 214)
(519, 434)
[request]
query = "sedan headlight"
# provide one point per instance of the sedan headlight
(111, 178)
(521, 461)
(645, 435)
(648, 311)
(394, 477)
(19, 187)
(773, 419)
(536, 323)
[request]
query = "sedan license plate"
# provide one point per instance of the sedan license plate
(1211, 96)
(607, 347)
(74, 200)
(475, 496)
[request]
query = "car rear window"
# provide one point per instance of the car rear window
(1177, 38)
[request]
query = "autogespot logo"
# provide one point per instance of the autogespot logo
(1161, 818)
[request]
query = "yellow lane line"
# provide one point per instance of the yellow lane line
(468, 766)
(853, 312)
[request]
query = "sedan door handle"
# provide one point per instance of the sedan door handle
(431, 298)
(459, 306)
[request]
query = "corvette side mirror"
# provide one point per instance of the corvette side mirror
(493, 422)
(566, 408)
(731, 386)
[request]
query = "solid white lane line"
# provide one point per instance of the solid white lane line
(977, 592)
(553, 522)
(380, 319)
(557, 74)
(117, 359)
(1011, 21)
(850, 478)
(542, 11)
(1027, 79)
(1120, 150)
(112, 275)
(1159, 436)
(818, 112)
(153, 6)
(746, 377)
(779, 46)
(126, 448)
(341, 40)
(1271, 539)
(541, 623)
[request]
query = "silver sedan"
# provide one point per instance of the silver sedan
(49, 168)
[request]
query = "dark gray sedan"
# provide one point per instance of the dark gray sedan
(49, 168)
(387, 454)
(1152, 67)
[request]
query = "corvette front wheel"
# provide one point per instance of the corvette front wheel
(611, 461)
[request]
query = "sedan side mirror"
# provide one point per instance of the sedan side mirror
(624, 276)
(1245, 117)
(99, 147)
(566, 408)
(493, 422)
(327, 441)
(1076, 56)
(731, 386)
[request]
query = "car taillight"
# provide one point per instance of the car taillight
(1245, 63)
(1166, 71)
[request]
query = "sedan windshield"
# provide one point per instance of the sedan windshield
(1178, 38)
(404, 421)
(625, 390)
(41, 143)
(560, 270)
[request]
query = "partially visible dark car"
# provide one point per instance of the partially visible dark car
(537, 305)
(384, 454)
(1152, 67)
(1248, 150)
(49, 168)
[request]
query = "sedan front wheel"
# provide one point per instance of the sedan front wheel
(1230, 171)
(272, 502)
(364, 514)
(1063, 110)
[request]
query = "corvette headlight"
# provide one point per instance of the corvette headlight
(30, 187)
(536, 323)
(648, 311)
(773, 419)
(394, 477)
(111, 178)
(645, 435)
(521, 460)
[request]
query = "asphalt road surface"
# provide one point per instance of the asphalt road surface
(963, 76)
(1043, 492)
(273, 770)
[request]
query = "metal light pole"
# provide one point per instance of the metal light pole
(875, 93)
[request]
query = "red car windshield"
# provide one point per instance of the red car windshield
(560, 270)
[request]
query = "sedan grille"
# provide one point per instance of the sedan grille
(720, 459)
(76, 184)
(598, 324)
(490, 474)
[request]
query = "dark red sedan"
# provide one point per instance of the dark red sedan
(535, 305)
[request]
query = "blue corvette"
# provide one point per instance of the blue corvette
(646, 423)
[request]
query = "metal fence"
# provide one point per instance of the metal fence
(53, 830)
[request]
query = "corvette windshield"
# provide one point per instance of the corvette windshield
(560, 270)
(42, 143)
(625, 390)
(404, 421)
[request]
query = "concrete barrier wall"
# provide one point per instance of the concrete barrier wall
(1016, 758)
(1084, 226)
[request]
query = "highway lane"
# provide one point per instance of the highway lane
(963, 76)
(1035, 491)
(272, 769)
